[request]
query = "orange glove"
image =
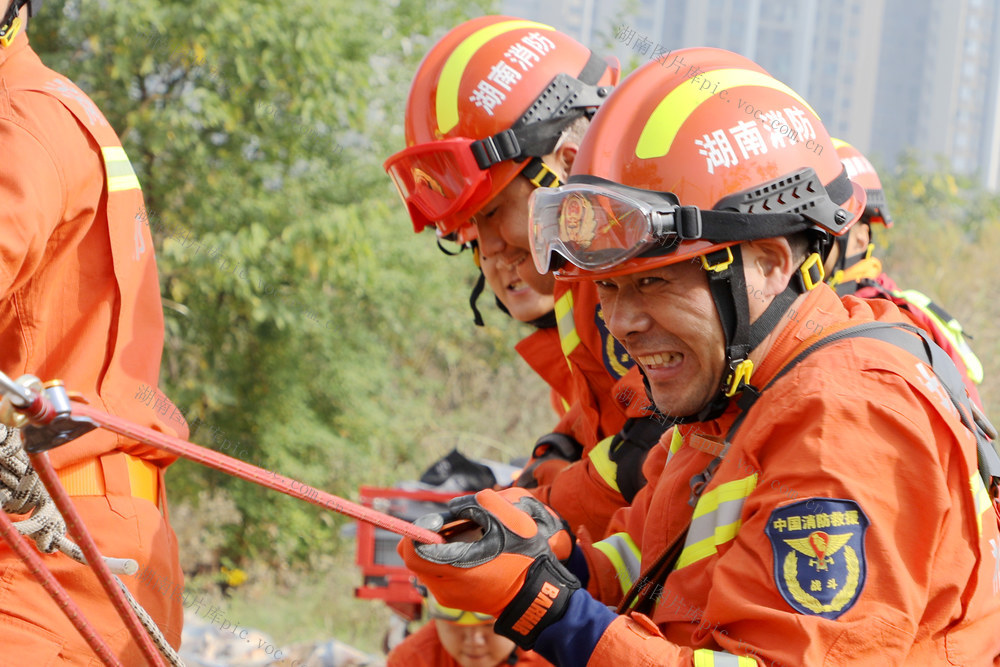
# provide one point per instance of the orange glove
(511, 570)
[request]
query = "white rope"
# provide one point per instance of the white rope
(21, 492)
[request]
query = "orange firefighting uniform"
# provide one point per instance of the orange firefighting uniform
(542, 352)
(607, 389)
(424, 649)
(81, 303)
(847, 524)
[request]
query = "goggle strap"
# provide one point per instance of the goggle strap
(496, 149)
(515, 144)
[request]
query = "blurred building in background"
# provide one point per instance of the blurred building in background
(886, 75)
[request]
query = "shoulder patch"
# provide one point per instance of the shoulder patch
(819, 554)
(616, 360)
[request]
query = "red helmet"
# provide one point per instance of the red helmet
(861, 171)
(688, 160)
(494, 92)
(709, 134)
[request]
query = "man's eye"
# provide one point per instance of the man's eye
(605, 284)
(649, 281)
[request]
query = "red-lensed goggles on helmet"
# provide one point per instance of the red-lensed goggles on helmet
(440, 182)
(597, 224)
(444, 183)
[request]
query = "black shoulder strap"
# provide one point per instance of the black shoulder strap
(629, 449)
(917, 343)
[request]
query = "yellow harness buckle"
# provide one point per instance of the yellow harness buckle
(544, 171)
(740, 376)
(718, 266)
(7, 36)
(813, 266)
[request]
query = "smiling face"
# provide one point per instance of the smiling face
(523, 302)
(668, 323)
(502, 228)
(474, 645)
(502, 225)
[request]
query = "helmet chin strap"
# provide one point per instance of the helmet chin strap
(728, 285)
(10, 24)
(841, 279)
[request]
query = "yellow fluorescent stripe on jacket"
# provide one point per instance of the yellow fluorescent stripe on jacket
(568, 336)
(119, 170)
(716, 519)
(625, 557)
(600, 456)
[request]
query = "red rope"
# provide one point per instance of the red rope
(44, 576)
(212, 459)
(78, 531)
(252, 473)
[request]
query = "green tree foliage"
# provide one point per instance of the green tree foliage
(305, 320)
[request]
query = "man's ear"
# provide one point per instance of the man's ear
(563, 158)
(860, 237)
(773, 261)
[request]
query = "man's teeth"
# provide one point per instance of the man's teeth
(516, 285)
(652, 360)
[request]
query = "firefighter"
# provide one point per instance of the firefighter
(496, 110)
(820, 474)
(853, 269)
(456, 638)
(81, 303)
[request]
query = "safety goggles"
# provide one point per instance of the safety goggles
(444, 183)
(597, 224)
(457, 616)
(440, 182)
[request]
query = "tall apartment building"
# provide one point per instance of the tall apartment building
(886, 75)
(939, 72)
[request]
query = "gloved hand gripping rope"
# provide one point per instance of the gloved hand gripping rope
(55, 421)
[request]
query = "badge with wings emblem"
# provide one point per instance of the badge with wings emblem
(819, 554)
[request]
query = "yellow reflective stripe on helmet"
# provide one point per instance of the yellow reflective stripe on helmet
(676, 442)
(121, 176)
(839, 143)
(951, 330)
(668, 116)
(446, 104)
(980, 499)
(565, 323)
(704, 657)
(716, 519)
(600, 456)
(625, 557)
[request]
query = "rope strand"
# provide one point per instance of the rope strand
(22, 492)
